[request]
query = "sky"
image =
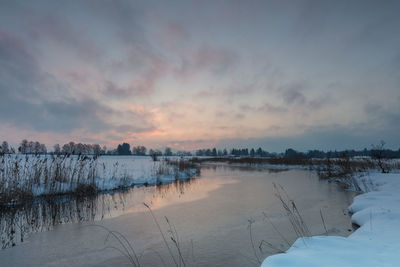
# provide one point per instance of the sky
(303, 74)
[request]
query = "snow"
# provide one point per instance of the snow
(110, 172)
(375, 243)
(125, 171)
(261, 165)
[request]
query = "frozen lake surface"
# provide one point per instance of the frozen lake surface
(211, 214)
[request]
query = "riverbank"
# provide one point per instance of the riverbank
(25, 177)
(374, 243)
(211, 214)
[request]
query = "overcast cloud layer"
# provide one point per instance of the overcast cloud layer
(194, 74)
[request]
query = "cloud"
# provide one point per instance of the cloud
(25, 103)
(227, 92)
(299, 96)
(190, 144)
(102, 70)
(174, 33)
(240, 116)
(293, 96)
(239, 90)
(125, 19)
(46, 27)
(17, 63)
(332, 137)
(140, 87)
(115, 47)
(264, 108)
(218, 60)
(207, 58)
(221, 114)
(372, 109)
(145, 85)
(112, 90)
(269, 108)
(206, 94)
(292, 93)
(382, 118)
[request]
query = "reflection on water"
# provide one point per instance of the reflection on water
(253, 168)
(210, 213)
(44, 214)
(17, 224)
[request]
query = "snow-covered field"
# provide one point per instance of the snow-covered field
(375, 243)
(125, 171)
(41, 175)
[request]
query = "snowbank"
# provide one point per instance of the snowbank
(44, 174)
(125, 171)
(375, 243)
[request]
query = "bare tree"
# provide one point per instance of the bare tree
(168, 151)
(57, 149)
(37, 147)
(378, 153)
(43, 149)
(24, 146)
(66, 149)
(154, 154)
(31, 147)
(72, 147)
(96, 149)
(139, 150)
(4, 147)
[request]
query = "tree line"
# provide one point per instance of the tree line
(35, 147)
(26, 147)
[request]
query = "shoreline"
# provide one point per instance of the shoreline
(161, 180)
(210, 204)
(27, 178)
(374, 243)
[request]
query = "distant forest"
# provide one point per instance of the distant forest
(72, 148)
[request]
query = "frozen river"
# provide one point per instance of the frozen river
(210, 213)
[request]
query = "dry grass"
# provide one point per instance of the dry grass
(22, 178)
(18, 223)
(326, 167)
(124, 246)
(256, 161)
(170, 239)
(342, 170)
(345, 170)
(177, 256)
(294, 215)
(298, 225)
(183, 164)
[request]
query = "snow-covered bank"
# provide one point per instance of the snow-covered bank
(23, 177)
(375, 243)
(125, 171)
(273, 166)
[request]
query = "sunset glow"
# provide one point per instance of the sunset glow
(274, 74)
